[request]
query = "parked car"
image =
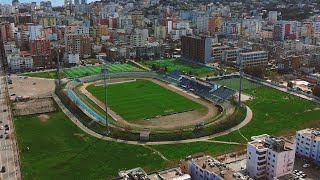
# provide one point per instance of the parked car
(1, 136)
(1, 127)
(306, 165)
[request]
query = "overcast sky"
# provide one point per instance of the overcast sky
(54, 2)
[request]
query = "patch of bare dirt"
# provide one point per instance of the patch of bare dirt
(43, 117)
(83, 136)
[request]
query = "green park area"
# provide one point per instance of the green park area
(275, 113)
(186, 67)
(143, 99)
(52, 147)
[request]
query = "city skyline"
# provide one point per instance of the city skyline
(54, 3)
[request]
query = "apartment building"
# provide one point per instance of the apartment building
(137, 40)
(206, 167)
(255, 58)
(231, 55)
(7, 31)
(48, 21)
(196, 48)
(308, 143)
(78, 44)
(269, 157)
(19, 63)
(217, 50)
(40, 50)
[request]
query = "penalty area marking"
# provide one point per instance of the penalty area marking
(119, 82)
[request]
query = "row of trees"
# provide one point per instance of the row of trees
(256, 71)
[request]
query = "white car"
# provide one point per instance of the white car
(1, 127)
(6, 131)
(306, 165)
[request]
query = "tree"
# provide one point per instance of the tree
(256, 71)
(316, 90)
(290, 84)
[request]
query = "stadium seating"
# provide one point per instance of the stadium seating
(77, 100)
(223, 92)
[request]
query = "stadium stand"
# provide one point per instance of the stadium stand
(78, 101)
(223, 92)
(217, 78)
(209, 90)
(175, 74)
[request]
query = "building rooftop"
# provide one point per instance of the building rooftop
(212, 165)
(134, 174)
(313, 133)
(170, 174)
(265, 141)
(253, 52)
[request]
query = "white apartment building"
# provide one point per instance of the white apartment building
(35, 32)
(272, 17)
(231, 55)
(293, 45)
(18, 63)
(137, 40)
(207, 168)
(255, 58)
(308, 143)
(217, 50)
(202, 23)
(81, 30)
(269, 157)
(73, 58)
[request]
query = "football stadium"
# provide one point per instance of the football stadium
(159, 105)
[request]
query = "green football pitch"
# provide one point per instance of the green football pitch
(234, 83)
(143, 99)
(92, 70)
(186, 67)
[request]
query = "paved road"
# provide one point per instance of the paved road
(8, 155)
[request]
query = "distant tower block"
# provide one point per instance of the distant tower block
(68, 6)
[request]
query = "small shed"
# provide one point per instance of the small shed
(144, 135)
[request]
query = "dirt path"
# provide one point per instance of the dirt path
(168, 122)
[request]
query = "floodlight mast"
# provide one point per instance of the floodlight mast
(105, 74)
(240, 86)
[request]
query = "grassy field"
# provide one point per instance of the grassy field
(83, 71)
(234, 83)
(54, 148)
(92, 70)
(276, 113)
(180, 151)
(46, 74)
(186, 67)
(143, 99)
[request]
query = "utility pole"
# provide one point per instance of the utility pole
(105, 71)
(58, 67)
